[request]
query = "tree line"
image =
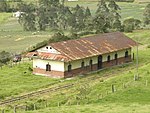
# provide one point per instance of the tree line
(53, 14)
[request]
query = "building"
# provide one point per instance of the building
(69, 58)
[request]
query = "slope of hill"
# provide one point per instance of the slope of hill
(129, 97)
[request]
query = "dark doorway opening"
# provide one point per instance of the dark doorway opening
(116, 59)
(100, 62)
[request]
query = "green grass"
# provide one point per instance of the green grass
(98, 108)
(14, 39)
(4, 17)
(132, 99)
(19, 79)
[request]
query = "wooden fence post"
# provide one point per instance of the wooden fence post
(58, 104)
(113, 88)
(46, 104)
(26, 108)
(34, 106)
(124, 86)
(146, 83)
(15, 110)
(3, 111)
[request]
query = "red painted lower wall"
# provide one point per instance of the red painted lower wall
(59, 74)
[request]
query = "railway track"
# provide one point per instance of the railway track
(54, 89)
(22, 97)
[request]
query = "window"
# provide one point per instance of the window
(69, 67)
(82, 64)
(46, 47)
(126, 54)
(108, 58)
(50, 47)
(48, 67)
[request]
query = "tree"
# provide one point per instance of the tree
(5, 57)
(78, 13)
(3, 6)
(27, 18)
(101, 19)
(41, 18)
(131, 24)
(114, 15)
(87, 12)
(146, 15)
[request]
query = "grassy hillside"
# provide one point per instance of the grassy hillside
(91, 95)
(19, 79)
(4, 17)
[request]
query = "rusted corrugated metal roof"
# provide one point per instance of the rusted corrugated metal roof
(52, 56)
(31, 54)
(93, 45)
(87, 47)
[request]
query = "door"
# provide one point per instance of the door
(116, 59)
(100, 61)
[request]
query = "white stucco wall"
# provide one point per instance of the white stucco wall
(55, 65)
(77, 63)
(120, 53)
(48, 49)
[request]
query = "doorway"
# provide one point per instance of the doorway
(100, 62)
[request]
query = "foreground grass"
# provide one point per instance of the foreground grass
(98, 108)
(19, 79)
(98, 97)
(4, 17)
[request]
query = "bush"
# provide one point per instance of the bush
(5, 57)
(131, 24)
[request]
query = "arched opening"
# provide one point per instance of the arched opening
(91, 64)
(108, 58)
(126, 54)
(48, 67)
(82, 64)
(100, 61)
(69, 67)
(116, 58)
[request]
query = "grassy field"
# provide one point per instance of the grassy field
(132, 99)
(14, 39)
(19, 79)
(4, 17)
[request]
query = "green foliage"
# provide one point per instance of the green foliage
(4, 7)
(5, 57)
(115, 22)
(27, 18)
(146, 15)
(131, 24)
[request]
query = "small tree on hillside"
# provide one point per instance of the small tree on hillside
(131, 24)
(146, 15)
(3, 6)
(4, 57)
(27, 18)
